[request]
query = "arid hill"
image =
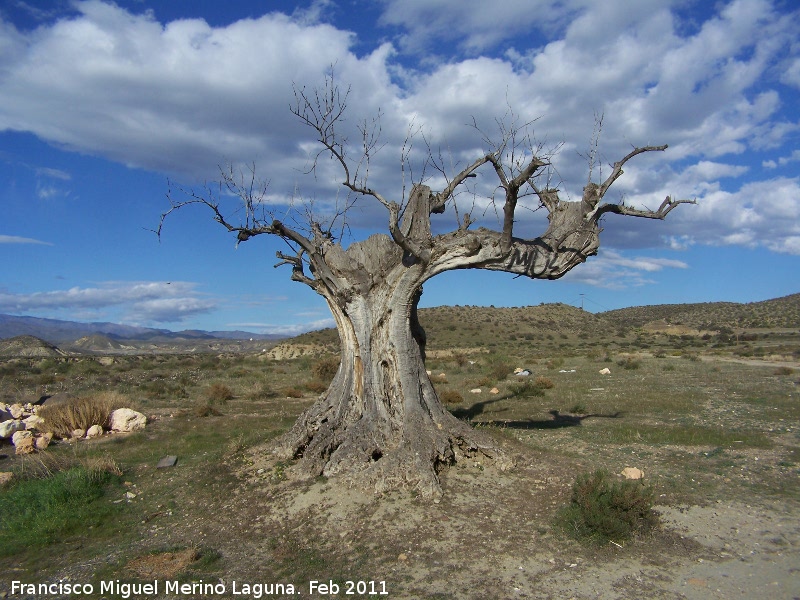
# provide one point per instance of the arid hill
(27, 346)
(779, 313)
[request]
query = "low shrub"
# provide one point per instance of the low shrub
(218, 393)
(325, 369)
(602, 510)
(629, 363)
(292, 392)
(451, 397)
(544, 383)
(80, 413)
(316, 386)
(526, 389)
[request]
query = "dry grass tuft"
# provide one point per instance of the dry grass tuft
(81, 413)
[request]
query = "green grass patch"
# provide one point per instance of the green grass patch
(38, 512)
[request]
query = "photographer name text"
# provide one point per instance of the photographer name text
(197, 589)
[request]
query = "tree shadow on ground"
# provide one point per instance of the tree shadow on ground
(557, 421)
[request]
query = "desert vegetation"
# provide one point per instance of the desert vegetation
(709, 424)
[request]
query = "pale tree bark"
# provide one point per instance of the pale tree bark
(380, 423)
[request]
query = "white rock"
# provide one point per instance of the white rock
(494, 390)
(7, 428)
(126, 419)
(43, 441)
(94, 431)
(19, 436)
(605, 371)
(475, 391)
(34, 422)
(632, 473)
(16, 410)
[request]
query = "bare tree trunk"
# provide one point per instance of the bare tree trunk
(380, 424)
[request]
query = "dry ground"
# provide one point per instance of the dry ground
(719, 441)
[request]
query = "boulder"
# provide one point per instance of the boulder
(126, 419)
(16, 410)
(7, 428)
(5, 414)
(43, 441)
(26, 445)
(605, 371)
(34, 422)
(632, 473)
(94, 431)
(78, 433)
(18, 436)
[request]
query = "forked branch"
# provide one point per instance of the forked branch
(620, 209)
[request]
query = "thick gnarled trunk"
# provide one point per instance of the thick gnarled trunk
(380, 424)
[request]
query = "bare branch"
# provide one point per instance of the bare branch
(617, 171)
(621, 209)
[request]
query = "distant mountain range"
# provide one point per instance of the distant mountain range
(56, 331)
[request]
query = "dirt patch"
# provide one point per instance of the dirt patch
(162, 565)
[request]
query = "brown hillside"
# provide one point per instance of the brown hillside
(29, 347)
(777, 313)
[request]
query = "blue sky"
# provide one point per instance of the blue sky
(104, 106)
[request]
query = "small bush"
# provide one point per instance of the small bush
(451, 397)
(526, 389)
(555, 363)
(629, 363)
(784, 371)
(325, 369)
(80, 413)
(316, 386)
(579, 409)
(207, 410)
(292, 392)
(500, 370)
(544, 383)
(603, 510)
(218, 393)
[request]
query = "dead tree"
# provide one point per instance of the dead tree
(380, 423)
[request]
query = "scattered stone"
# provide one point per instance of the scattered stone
(168, 461)
(402, 557)
(26, 445)
(494, 390)
(20, 435)
(78, 433)
(7, 428)
(605, 371)
(34, 422)
(126, 419)
(43, 441)
(6, 477)
(475, 391)
(632, 473)
(94, 431)
(130, 495)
